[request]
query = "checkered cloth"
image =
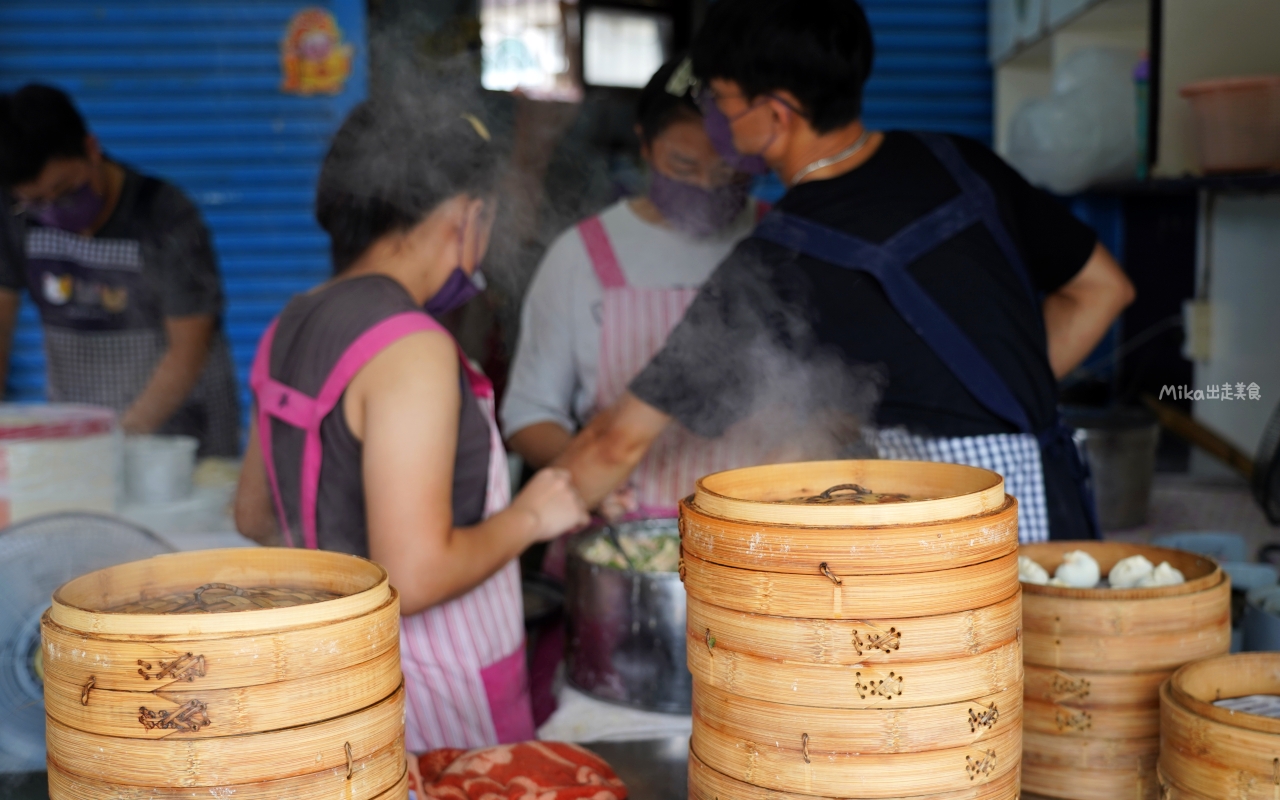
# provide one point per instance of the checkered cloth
(111, 368)
(1016, 456)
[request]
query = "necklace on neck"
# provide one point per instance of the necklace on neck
(822, 163)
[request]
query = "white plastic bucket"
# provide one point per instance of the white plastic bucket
(158, 469)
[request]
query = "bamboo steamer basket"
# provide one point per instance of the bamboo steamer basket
(303, 700)
(1095, 660)
(706, 783)
(856, 641)
(790, 766)
(368, 772)
(841, 648)
(855, 686)
(1213, 752)
(869, 596)
(740, 518)
(831, 730)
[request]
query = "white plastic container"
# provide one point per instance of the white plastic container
(1237, 122)
(57, 457)
(158, 469)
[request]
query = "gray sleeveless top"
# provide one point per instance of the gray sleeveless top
(313, 332)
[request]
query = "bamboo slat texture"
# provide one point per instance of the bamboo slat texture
(230, 661)
(1095, 660)
(246, 673)
(853, 631)
(832, 730)
(1220, 754)
(847, 549)
(916, 683)
(369, 775)
(706, 783)
(817, 596)
(784, 767)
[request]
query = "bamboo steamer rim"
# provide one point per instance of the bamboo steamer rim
(758, 494)
(1197, 745)
(1090, 724)
(1128, 618)
(1200, 571)
(81, 604)
(707, 783)
(1197, 685)
(1068, 751)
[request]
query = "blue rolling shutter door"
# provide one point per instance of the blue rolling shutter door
(189, 91)
(931, 70)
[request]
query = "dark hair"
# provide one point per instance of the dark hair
(658, 108)
(395, 158)
(37, 123)
(818, 50)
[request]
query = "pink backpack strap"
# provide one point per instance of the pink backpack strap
(604, 260)
(278, 401)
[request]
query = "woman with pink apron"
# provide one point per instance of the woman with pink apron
(374, 435)
(609, 292)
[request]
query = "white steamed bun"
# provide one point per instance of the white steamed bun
(1031, 572)
(1163, 575)
(1078, 570)
(1128, 571)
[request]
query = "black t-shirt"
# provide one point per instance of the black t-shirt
(765, 304)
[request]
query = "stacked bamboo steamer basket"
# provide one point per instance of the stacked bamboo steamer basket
(1212, 753)
(1095, 660)
(842, 649)
(294, 692)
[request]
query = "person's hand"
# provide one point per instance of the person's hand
(620, 502)
(553, 502)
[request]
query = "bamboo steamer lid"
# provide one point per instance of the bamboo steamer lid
(855, 686)
(706, 783)
(827, 730)
(85, 603)
(818, 596)
(230, 661)
(858, 641)
(180, 762)
(777, 518)
(370, 774)
(789, 767)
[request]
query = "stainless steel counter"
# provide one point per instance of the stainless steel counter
(652, 769)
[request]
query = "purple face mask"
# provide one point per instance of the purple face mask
(457, 290)
(719, 131)
(697, 211)
(72, 212)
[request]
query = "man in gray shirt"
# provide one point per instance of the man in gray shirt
(122, 271)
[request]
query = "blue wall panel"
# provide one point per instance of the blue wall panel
(931, 70)
(189, 90)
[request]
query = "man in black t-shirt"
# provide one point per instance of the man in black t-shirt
(923, 256)
(122, 270)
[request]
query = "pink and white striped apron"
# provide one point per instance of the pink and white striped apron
(463, 661)
(634, 326)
